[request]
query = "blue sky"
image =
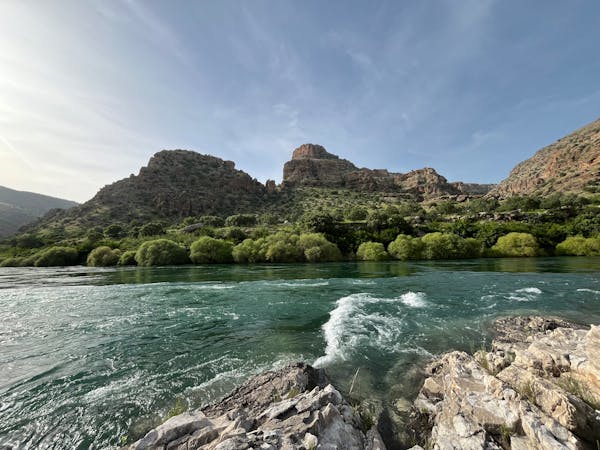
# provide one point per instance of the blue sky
(89, 90)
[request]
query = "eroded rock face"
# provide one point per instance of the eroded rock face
(536, 389)
(293, 408)
(312, 165)
(571, 164)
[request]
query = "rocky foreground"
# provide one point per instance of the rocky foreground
(538, 388)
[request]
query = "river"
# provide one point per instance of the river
(92, 358)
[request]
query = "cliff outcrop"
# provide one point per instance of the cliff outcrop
(572, 164)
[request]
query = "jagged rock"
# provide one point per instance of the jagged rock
(312, 165)
(293, 408)
(536, 389)
(572, 164)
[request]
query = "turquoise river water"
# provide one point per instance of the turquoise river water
(90, 358)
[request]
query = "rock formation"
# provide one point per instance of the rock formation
(293, 408)
(538, 388)
(175, 184)
(572, 164)
(311, 165)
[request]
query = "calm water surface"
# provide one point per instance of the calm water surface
(89, 357)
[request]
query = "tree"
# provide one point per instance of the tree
(371, 251)
(114, 231)
(516, 244)
(579, 246)
(250, 251)
(406, 247)
(212, 221)
(241, 220)
(103, 256)
(152, 229)
(57, 256)
(161, 252)
(127, 259)
(317, 248)
(356, 213)
(208, 250)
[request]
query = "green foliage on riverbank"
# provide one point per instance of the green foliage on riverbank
(330, 225)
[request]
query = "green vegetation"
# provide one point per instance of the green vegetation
(208, 250)
(57, 256)
(161, 252)
(516, 244)
(580, 389)
(319, 224)
(103, 256)
(579, 246)
(371, 251)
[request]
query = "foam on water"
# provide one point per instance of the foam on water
(588, 290)
(353, 324)
(414, 299)
(530, 290)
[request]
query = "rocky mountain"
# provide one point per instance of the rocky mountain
(312, 165)
(572, 164)
(175, 184)
(18, 208)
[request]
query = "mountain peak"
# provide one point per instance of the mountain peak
(312, 151)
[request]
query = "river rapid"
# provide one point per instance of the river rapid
(93, 358)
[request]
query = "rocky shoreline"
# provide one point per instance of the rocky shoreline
(537, 388)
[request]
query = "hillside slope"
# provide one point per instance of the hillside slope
(18, 208)
(572, 164)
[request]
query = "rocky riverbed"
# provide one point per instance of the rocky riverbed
(537, 388)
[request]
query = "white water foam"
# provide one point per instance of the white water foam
(414, 299)
(530, 290)
(351, 325)
(588, 290)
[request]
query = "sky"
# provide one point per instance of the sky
(91, 89)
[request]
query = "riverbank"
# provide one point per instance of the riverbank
(537, 388)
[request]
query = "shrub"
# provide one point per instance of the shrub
(371, 251)
(152, 229)
(406, 247)
(442, 246)
(241, 220)
(102, 256)
(317, 248)
(128, 258)
(209, 250)
(356, 213)
(12, 262)
(161, 252)
(579, 246)
(516, 244)
(114, 231)
(57, 256)
(28, 241)
(250, 251)
(212, 221)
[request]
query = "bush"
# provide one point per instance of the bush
(128, 259)
(241, 220)
(212, 221)
(250, 251)
(209, 250)
(406, 247)
(371, 251)
(442, 246)
(356, 213)
(579, 246)
(161, 252)
(516, 244)
(317, 248)
(152, 229)
(57, 256)
(102, 257)
(12, 262)
(114, 231)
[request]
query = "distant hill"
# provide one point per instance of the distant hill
(18, 208)
(572, 164)
(175, 184)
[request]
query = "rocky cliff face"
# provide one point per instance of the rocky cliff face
(174, 184)
(572, 164)
(312, 165)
